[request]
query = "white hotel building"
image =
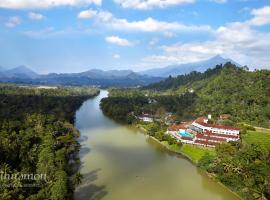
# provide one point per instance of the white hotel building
(227, 132)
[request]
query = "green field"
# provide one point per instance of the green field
(258, 137)
(195, 153)
(173, 147)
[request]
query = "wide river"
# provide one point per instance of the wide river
(121, 163)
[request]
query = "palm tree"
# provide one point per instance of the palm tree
(4, 168)
(78, 178)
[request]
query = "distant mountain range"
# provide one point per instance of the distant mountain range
(17, 72)
(180, 69)
(123, 78)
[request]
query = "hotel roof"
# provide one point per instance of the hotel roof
(201, 120)
(176, 127)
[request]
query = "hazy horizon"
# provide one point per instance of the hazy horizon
(75, 36)
(94, 68)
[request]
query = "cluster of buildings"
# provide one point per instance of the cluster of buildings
(202, 133)
(199, 132)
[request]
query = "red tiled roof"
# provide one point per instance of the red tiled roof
(205, 142)
(224, 135)
(200, 121)
(210, 137)
(186, 138)
(176, 127)
(220, 135)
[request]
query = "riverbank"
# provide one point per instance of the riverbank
(189, 156)
(191, 152)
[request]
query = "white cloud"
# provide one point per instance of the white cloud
(237, 40)
(149, 4)
(35, 16)
(116, 56)
(152, 25)
(146, 25)
(13, 22)
(87, 14)
(118, 41)
(42, 4)
(261, 16)
(219, 1)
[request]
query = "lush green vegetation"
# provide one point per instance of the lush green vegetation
(223, 90)
(243, 168)
(37, 137)
(257, 138)
(125, 109)
(195, 153)
(157, 130)
(243, 94)
(174, 83)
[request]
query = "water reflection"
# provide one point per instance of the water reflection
(90, 191)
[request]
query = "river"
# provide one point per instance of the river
(121, 163)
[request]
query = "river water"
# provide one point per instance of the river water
(121, 163)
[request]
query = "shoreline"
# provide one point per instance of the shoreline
(166, 147)
(185, 156)
(74, 159)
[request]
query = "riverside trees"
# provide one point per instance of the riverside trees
(243, 168)
(37, 137)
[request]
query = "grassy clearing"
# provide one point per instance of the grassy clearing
(258, 137)
(263, 130)
(173, 147)
(194, 152)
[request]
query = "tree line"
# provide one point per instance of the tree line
(37, 136)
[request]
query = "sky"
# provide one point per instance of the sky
(78, 35)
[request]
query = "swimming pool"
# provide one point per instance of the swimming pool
(186, 134)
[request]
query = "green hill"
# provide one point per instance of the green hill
(225, 89)
(244, 94)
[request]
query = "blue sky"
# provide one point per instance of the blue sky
(77, 35)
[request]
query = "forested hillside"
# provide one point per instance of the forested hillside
(243, 94)
(37, 137)
(174, 83)
(225, 89)
(124, 109)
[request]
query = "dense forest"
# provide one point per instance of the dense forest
(226, 89)
(37, 137)
(125, 109)
(245, 168)
(174, 83)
